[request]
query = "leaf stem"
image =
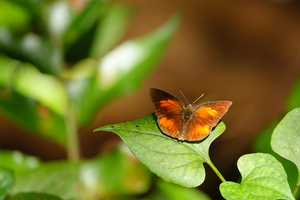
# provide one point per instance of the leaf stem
(72, 135)
(209, 162)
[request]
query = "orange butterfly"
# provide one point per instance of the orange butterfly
(186, 123)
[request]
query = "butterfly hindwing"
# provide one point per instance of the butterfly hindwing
(212, 112)
(196, 130)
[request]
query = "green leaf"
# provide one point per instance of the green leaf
(31, 48)
(19, 17)
(263, 178)
(34, 196)
(6, 182)
(175, 192)
(82, 22)
(122, 71)
(57, 178)
(46, 89)
(172, 160)
(117, 173)
(262, 145)
(33, 100)
(111, 28)
(286, 138)
(18, 161)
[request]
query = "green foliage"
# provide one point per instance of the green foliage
(263, 177)
(56, 73)
(181, 162)
(173, 161)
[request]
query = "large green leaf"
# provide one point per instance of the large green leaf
(174, 161)
(121, 71)
(286, 138)
(34, 196)
(6, 182)
(263, 178)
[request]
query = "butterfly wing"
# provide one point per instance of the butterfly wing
(168, 110)
(195, 130)
(206, 116)
(212, 112)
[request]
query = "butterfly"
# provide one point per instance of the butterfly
(186, 122)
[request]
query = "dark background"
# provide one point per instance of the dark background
(247, 52)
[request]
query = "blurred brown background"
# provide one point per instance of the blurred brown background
(247, 52)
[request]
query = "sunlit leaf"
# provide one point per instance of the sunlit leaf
(286, 138)
(122, 70)
(6, 182)
(173, 161)
(263, 178)
(34, 196)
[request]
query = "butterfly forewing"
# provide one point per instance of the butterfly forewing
(165, 104)
(212, 112)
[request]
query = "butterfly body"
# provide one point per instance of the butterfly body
(186, 122)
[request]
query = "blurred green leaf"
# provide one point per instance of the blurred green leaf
(34, 196)
(6, 182)
(172, 160)
(31, 48)
(115, 174)
(59, 18)
(46, 89)
(18, 16)
(18, 161)
(286, 138)
(35, 7)
(34, 100)
(263, 177)
(111, 28)
(57, 178)
(110, 175)
(175, 192)
(82, 22)
(122, 71)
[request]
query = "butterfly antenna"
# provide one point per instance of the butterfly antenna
(184, 98)
(197, 99)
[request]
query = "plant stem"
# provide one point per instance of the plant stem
(72, 135)
(209, 162)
